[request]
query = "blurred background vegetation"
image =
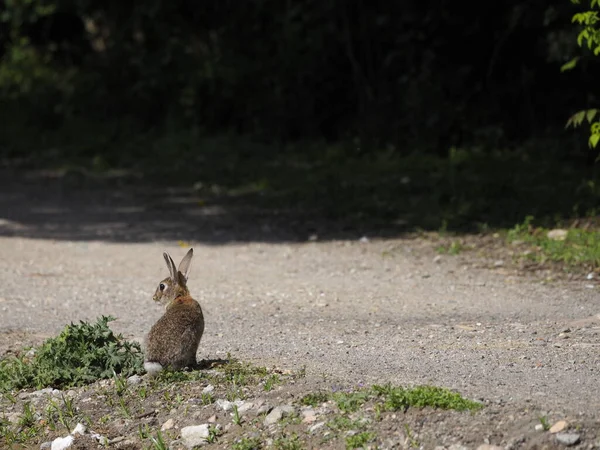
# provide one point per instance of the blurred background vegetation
(415, 113)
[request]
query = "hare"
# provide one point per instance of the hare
(174, 339)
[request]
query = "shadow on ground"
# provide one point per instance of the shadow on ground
(257, 194)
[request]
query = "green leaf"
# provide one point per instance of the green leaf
(594, 138)
(569, 65)
(590, 114)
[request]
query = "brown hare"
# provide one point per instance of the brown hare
(174, 339)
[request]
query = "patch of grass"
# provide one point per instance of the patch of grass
(350, 401)
(270, 382)
(454, 248)
(80, 355)
(247, 444)
(236, 416)
(575, 247)
(545, 423)
(314, 399)
(158, 443)
(344, 423)
(242, 374)
(399, 398)
(359, 440)
(291, 442)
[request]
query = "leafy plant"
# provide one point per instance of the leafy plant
(590, 37)
(399, 398)
(359, 440)
(350, 401)
(81, 354)
(314, 399)
(247, 444)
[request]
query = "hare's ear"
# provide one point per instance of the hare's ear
(186, 262)
(171, 266)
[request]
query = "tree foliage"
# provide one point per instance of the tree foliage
(415, 74)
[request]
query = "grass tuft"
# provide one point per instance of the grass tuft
(399, 398)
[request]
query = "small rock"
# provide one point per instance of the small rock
(212, 419)
(498, 263)
(134, 380)
(590, 276)
(13, 417)
(364, 240)
(308, 416)
(225, 405)
(558, 426)
(264, 409)
(316, 427)
(557, 234)
(278, 413)
(194, 435)
(437, 259)
(489, 447)
(46, 445)
(568, 439)
(539, 427)
(62, 443)
(208, 389)
(167, 425)
(79, 429)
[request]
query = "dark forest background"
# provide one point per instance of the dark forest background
(419, 113)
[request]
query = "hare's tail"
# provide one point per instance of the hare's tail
(152, 368)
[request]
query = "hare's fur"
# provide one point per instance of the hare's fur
(174, 339)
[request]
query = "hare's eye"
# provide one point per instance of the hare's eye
(161, 286)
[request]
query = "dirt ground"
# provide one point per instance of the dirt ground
(350, 307)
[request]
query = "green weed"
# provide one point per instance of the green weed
(359, 440)
(314, 399)
(81, 354)
(247, 444)
(578, 247)
(350, 401)
(399, 398)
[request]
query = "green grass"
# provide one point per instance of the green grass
(80, 355)
(247, 444)
(314, 399)
(399, 398)
(350, 401)
(359, 440)
(580, 246)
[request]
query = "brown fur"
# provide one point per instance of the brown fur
(174, 339)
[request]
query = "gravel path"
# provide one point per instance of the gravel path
(367, 311)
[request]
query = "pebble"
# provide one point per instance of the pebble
(489, 447)
(79, 429)
(226, 405)
(194, 435)
(568, 439)
(315, 427)
(62, 443)
(558, 426)
(539, 427)
(245, 407)
(278, 413)
(134, 380)
(167, 425)
(309, 416)
(208, 389)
